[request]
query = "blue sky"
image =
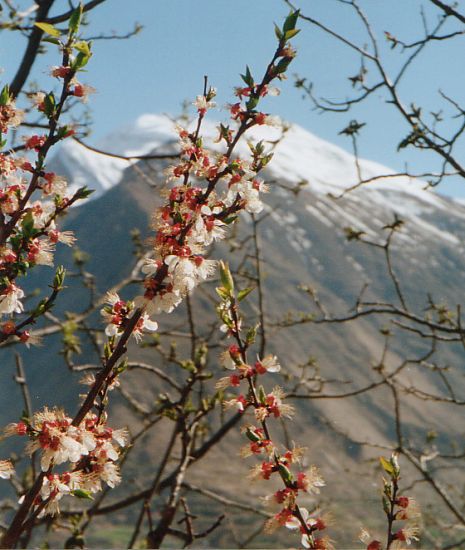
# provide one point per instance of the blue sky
(183, 40)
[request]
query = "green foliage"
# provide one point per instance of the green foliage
(248, 78)
(48, 28)
(49, 105)
(75, 20)
(5, 95)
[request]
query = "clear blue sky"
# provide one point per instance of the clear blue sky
(184, 39)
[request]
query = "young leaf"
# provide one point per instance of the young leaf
(285, 473)
(75, 20)
(247, 77)
(5, 95)
(49, 104)
(230, 220)
(386, 465)
(59, 278)
(243, 293)
(252, 103)
(40, 309)
(226, 277)
(80, 61)
(251, 335)
(84, 192)
(291, 20)
(290, 34)
(83, 47)
(27, 225)
(48, 28)
(252, 436)
(278, 32)
(283, 64)
(51, 40)
(222, 293)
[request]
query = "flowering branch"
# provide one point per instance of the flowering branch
(396, 508)
(192, 219)
(266, 405)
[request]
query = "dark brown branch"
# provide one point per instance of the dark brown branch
(65, 16)
(448, 10)
(124, 157)
(32, 49)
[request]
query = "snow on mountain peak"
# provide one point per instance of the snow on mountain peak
(299, 156)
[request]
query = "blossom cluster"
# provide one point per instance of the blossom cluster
(398, 508)
(208, 191)
(90, 449)
(31, 197)
(193, 218)
(271, 403)
(116, 312)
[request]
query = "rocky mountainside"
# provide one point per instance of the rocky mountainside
(303, 242)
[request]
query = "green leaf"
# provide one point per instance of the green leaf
(386, 465)
(290, 34)
(75, 20)
(252, 103)
(107, 351)
(261, 395)
(278, 32)
(244, 293)
(83, 47)
(226, 278)
(84, 192)
(41, 308)
(122, 366)
(230, 219)
(59, 278)
(291, 21)
(251, 335)
(27, 225)
(285, 473)
(222, 293)
(51, 40)
(5, 95)
(247, 77)
(252, 435)
(48, 28)
(49, 104)
(386, 505)
(283, 64)
(62, 131)
(80, 61)
(81, 493)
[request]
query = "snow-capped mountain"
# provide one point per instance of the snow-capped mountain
(299, 156)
